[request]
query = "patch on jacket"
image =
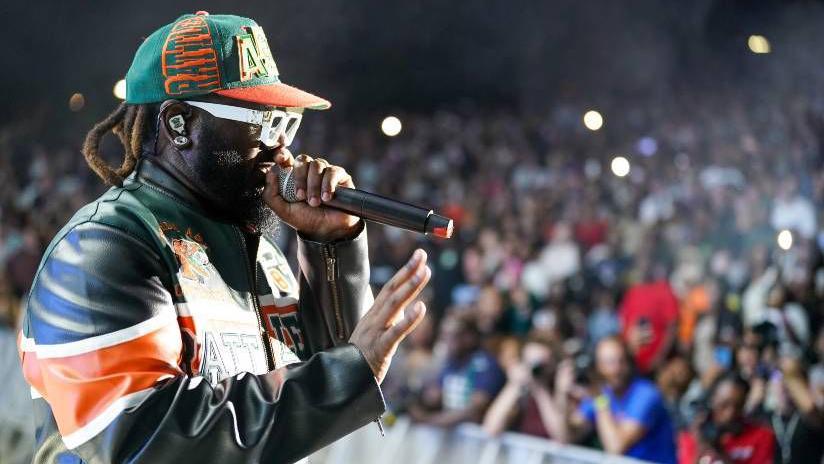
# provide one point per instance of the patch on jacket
(194, 263)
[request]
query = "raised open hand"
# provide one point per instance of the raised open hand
(393, 315)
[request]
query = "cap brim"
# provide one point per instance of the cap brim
(277, 95)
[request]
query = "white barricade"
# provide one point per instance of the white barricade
(406, 443)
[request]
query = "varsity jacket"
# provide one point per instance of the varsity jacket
(156, 333)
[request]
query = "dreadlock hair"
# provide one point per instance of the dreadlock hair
(130, 123)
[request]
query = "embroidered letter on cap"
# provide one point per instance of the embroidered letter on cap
(189, 59)
(254, 55)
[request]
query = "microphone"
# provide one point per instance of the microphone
(373, 207)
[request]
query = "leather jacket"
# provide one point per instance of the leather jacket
(157, 333)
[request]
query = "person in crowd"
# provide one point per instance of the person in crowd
(469, 380)
(559, 259)
(788, 317)
(796, 419)
(16, 426)
(413, 364)
(21, 265)
(628, 413)
(649, 316)
(603, 319)
(792, 210)
(530, 402)
(673, 380)
(723, 433)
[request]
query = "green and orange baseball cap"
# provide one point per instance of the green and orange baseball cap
(199, 54)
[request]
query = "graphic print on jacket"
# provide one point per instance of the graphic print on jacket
(91, 314)
(224, 328)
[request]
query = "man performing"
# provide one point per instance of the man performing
(164, 324)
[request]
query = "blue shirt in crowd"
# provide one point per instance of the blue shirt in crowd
(459, 381)
(642, 403)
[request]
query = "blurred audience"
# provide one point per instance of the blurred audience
(17, 425)
(722, 433)
(555, 254)
(628, 413)
(468, 382)
(531, 400)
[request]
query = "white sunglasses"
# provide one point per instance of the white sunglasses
(273, 123)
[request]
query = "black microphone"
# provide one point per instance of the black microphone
(373, 207)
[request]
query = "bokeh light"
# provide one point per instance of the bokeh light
(785, 239)
(119, 89)
(76, 102)
(391, 126)
(647, 146)
(593, 120)
(620, 166)
(758, 44)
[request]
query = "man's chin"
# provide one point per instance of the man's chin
(263, 219)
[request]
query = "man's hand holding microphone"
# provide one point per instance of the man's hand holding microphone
(394, 313)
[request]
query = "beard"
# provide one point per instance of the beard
(236, 187)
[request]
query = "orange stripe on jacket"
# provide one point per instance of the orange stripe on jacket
(79, 388)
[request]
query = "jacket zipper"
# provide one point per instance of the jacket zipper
(331, 277)
(251, 272)
(328, 252)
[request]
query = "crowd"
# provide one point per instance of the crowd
(652, 315)
(662, 315)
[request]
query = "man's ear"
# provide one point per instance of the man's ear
(175, 116)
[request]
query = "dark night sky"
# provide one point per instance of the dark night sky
(367, 55)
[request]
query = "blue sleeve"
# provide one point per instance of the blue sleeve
(587, 409)
(643, 405)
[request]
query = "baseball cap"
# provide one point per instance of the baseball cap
(199, 54)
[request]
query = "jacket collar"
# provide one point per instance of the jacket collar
(153, 171)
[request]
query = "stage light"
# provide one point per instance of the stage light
(391, 126)
(785, 239)
(758, 44)
(76, 102)
(620, 166)
(119, 89)
(593, 120)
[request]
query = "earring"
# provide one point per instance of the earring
(181, 141)
(178, 124)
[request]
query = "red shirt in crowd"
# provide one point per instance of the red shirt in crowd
(531, 422)
(656, 303)
(754, 445)
(591, 233)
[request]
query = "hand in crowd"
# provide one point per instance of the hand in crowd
(520, 374)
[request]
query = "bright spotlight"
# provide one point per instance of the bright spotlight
(620, 166)
(76, 102)
(785, 239)
(758, 44)
(593, 120)
(391, 126)
(119, 89)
